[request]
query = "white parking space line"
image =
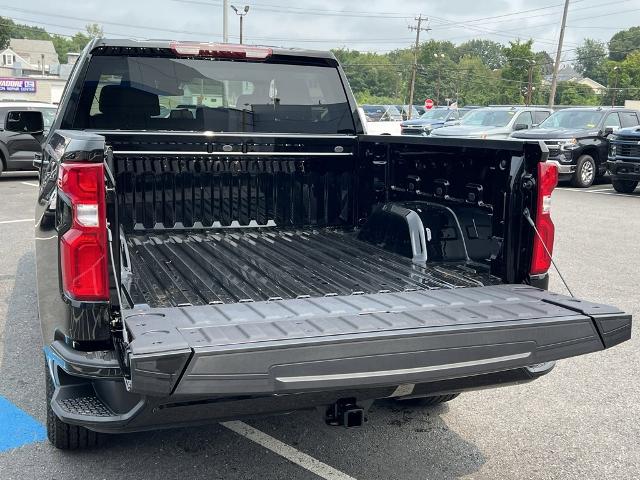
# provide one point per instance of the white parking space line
(579, 190)
(296, 456)
(16, 221)
(30, 184)
(617, 194)
(600, 191)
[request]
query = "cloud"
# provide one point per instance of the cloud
(373, 25)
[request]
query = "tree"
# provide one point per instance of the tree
(591, 59)
(94, 30)
(489, 52)
(371, 74)
(625, 78)
(6, 25)
(623, 43)
(545, 62)
(515, 75)
(573, 93)
(477, 83)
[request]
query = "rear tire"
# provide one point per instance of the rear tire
(63, 435)
(624, 186)
(428, 401)
(586, 171)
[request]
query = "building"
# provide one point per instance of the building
(30, 57)
(567, 73)
(30, 71)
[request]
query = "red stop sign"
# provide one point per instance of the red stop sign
(428, 104)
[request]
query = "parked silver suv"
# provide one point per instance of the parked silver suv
(495, 122)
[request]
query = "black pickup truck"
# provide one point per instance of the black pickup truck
(258, 254)
(624, 159)
(578, 140)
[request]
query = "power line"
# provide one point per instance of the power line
(81, 19)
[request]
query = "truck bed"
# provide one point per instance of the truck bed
(242, 265)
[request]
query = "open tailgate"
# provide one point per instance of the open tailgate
(335, 342)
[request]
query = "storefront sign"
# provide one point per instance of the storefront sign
(21, 85)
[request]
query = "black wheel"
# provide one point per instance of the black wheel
(624, 186)
(585, 172)
(63, 435)
(428, 401)
(1, 163)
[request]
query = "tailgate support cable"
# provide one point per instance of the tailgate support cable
(125, 333)
(527, 215)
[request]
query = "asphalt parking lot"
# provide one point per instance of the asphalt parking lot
(580, 421)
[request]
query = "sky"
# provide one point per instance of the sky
(365, 25)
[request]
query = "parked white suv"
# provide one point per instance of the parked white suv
(495, 122)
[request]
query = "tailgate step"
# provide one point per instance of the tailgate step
(80, 403)
(367, 340)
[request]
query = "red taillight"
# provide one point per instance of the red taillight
(83, 248)
(222, 50)
(547, 181)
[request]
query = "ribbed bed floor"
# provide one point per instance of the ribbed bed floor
(244, 266)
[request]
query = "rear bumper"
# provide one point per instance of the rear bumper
(113, 410)
(624, 170)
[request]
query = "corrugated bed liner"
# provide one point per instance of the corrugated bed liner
(237, 266)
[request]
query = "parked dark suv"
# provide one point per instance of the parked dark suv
(577, 140)
(624, 159)
(17, 148)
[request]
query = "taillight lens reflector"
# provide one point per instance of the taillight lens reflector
(547, 181)
(83, 248)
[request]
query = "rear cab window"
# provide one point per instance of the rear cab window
(198, 94)
(629, 119)
(524, 119)
(612, 120)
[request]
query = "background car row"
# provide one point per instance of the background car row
(585, 143)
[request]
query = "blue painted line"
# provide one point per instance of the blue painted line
(17, 428)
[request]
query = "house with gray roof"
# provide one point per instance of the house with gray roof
(567, 73)
(30, 57)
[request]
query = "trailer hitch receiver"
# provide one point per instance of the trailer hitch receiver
(345, 412)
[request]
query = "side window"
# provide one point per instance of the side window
(539, 117)
(524, 119)
(612, 120)
(455, 115)
(628, 119)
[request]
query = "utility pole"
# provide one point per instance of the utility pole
(529, 84)
(225, 21)
(554, 80)
(419, 28)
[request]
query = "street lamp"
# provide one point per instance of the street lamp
(438, 56)
(616, 77)
(241, 14)
(530, 87)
